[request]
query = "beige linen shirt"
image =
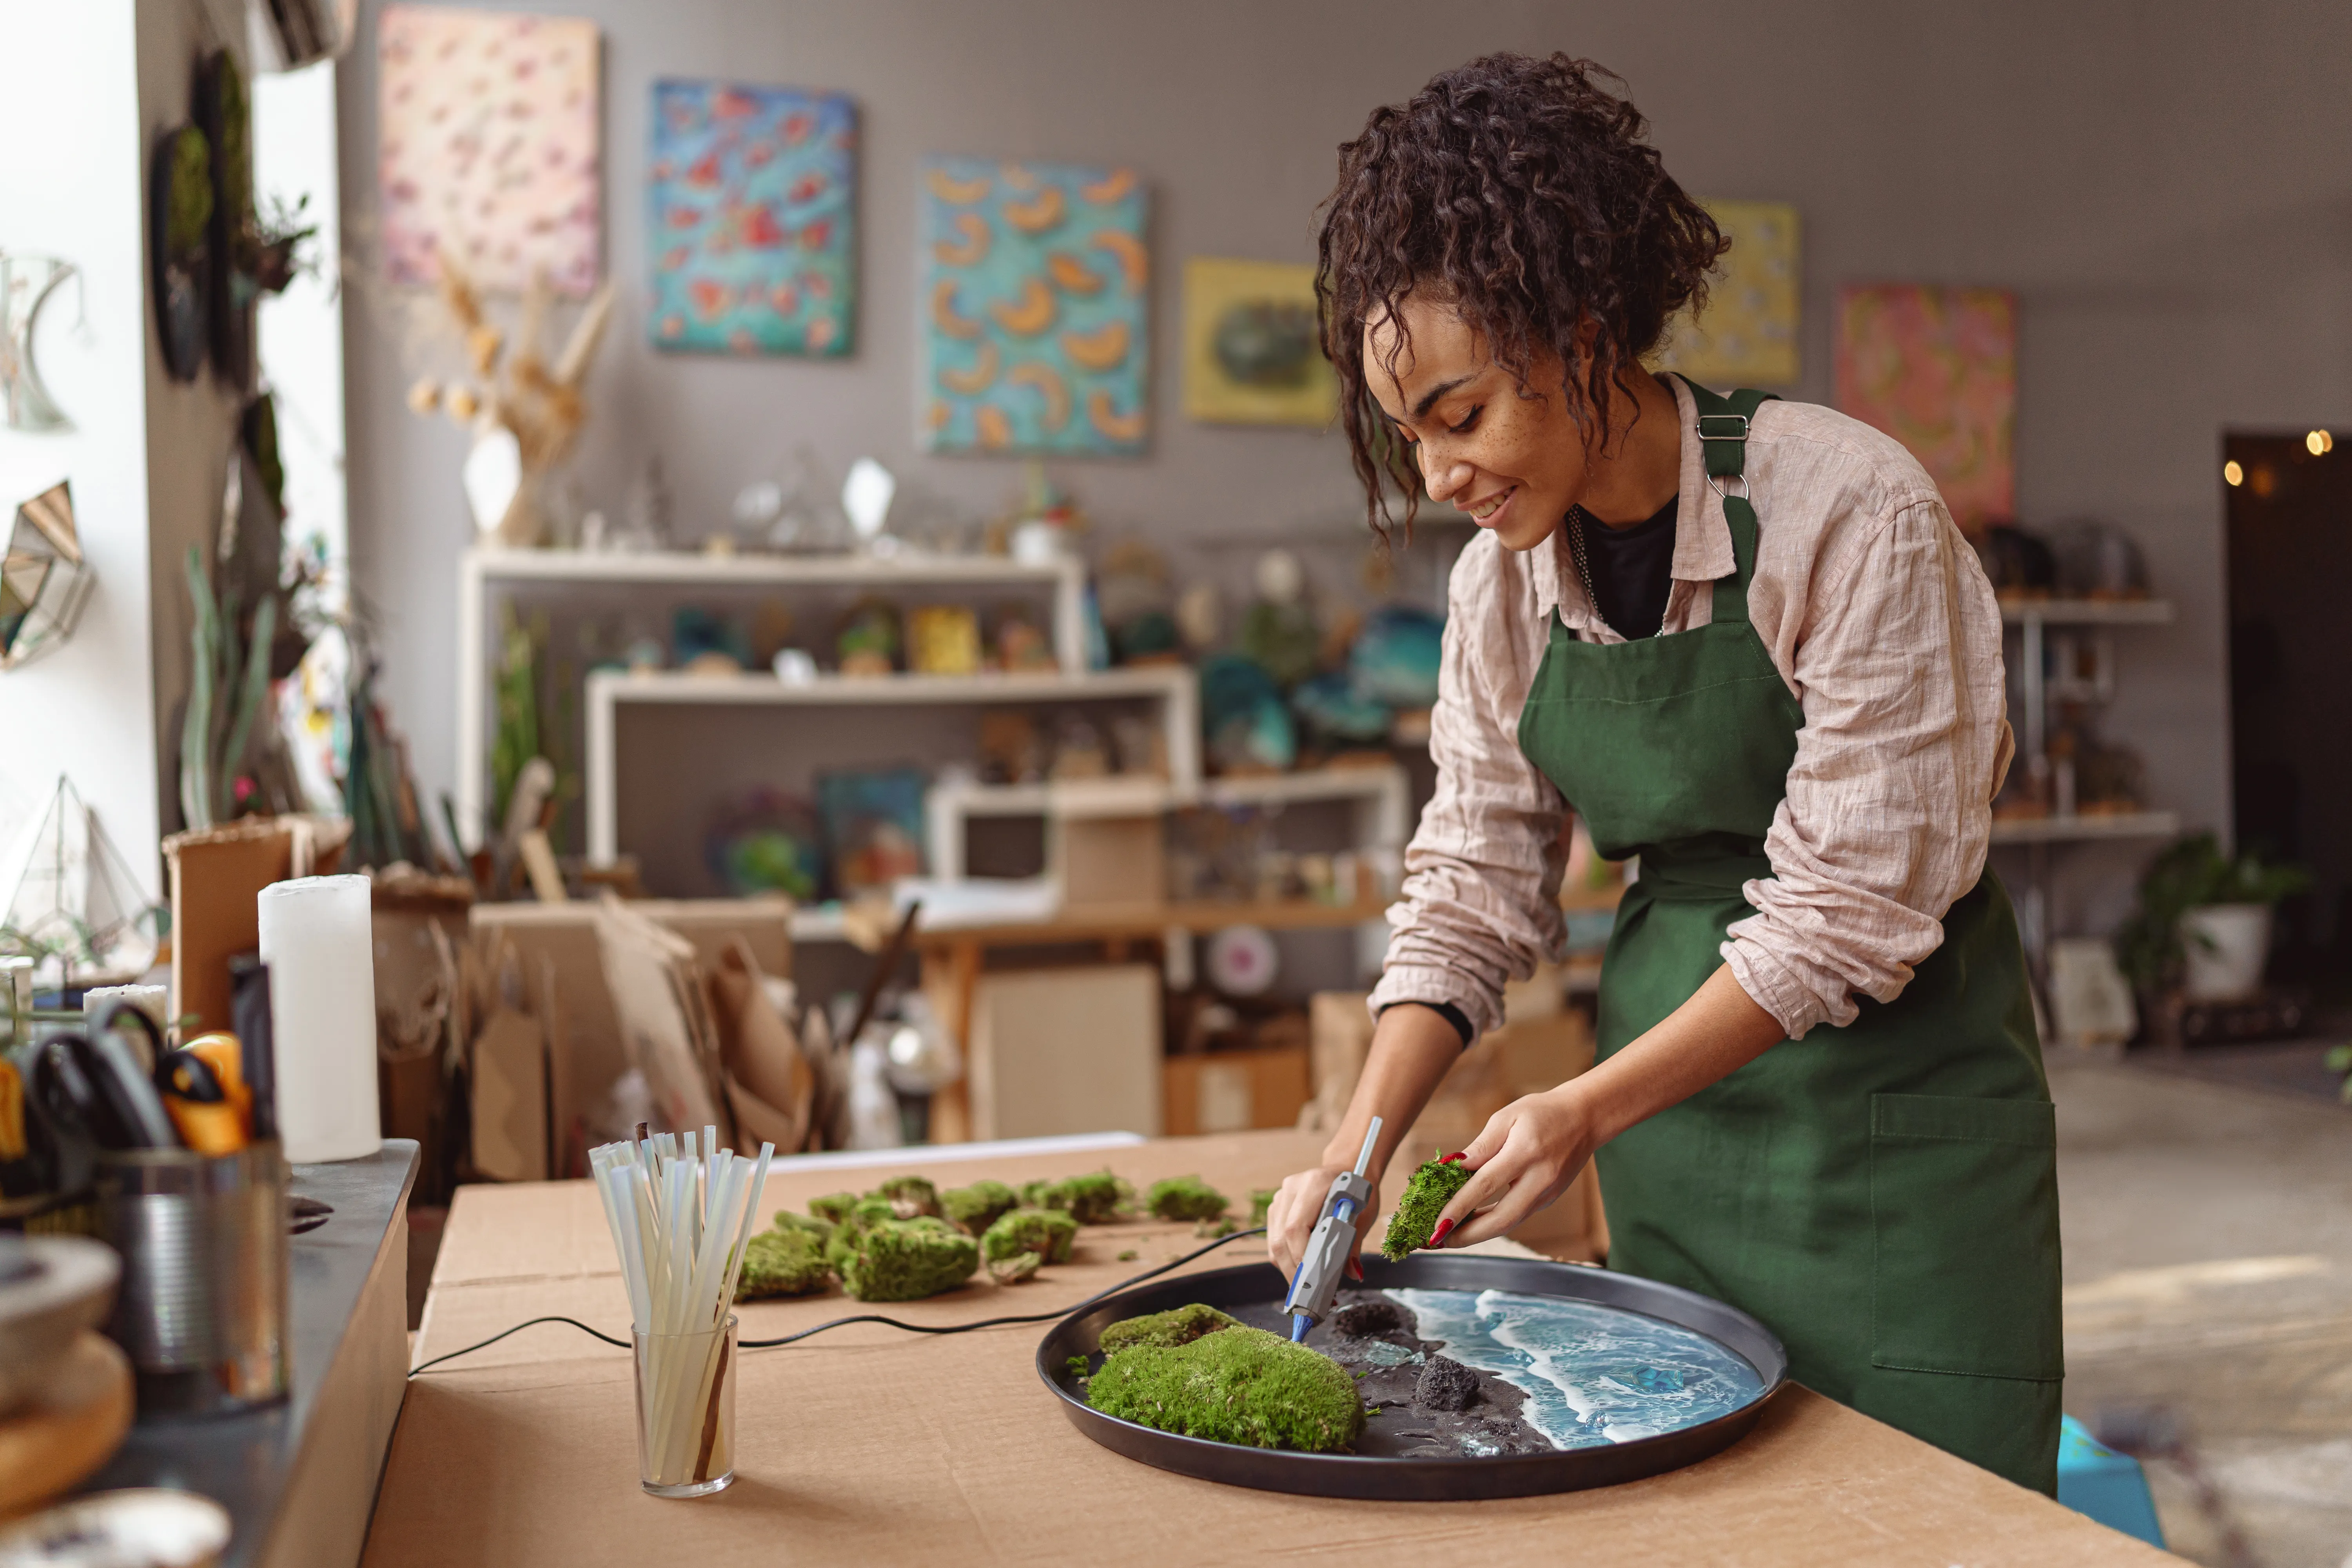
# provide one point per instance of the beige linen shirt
(1875, 611)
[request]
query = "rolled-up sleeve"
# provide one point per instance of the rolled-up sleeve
(1480, 903)
(1888, 812)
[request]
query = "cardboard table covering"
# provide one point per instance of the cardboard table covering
(872, 1446)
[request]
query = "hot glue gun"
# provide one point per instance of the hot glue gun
(1316, 1283)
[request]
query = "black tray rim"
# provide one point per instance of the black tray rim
(1451, 1480)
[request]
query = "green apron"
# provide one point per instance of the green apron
(1882, 1195)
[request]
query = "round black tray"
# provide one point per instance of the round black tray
(1419, 1481)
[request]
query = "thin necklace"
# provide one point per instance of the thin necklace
(1576, 548)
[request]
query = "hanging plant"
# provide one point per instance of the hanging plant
(180, 243)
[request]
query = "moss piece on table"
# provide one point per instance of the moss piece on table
(833, 1207)
(1238, 1385)
(979, 1205)
(1032, 1193)
(1012, 1270)
(1184, 1198)
(1431, 1188)
(909, 1197)
(1048, 1233)
(821, 1229)
(907, 1259)
(1091, 1199)
(784, 1262)
(1177, 1326)
(1261, 1202)
(863, 1217)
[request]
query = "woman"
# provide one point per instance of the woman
(1743, 640)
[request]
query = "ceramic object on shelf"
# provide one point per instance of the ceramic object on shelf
(2226, 947)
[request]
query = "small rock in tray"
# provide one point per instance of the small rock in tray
(1361, 1320)
(1445, 1384)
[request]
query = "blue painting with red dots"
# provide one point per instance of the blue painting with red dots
(753, 216)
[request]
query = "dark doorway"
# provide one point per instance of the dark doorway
(2290, 585)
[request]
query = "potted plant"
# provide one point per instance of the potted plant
(2204, 920)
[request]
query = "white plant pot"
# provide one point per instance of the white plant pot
(2227, 946)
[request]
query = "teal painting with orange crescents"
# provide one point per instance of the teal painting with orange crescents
(1035, 335)
(752, 219)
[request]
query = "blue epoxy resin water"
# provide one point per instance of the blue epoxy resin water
(1592, 1375)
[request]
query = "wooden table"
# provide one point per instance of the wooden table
(871, 1447)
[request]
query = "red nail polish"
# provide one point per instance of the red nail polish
(1355, 1269)
(1437, 1237)
(1451, 1158)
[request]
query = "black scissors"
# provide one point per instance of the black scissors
(95, 1082)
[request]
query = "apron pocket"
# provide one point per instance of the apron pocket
(1964, 1219)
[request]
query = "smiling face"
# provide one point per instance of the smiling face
(1513, 459)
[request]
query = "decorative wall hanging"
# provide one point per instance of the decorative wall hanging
(70, 902)
(227, 114)
(26, 284)
(752, 219)
(1747, 336)
(1253, 345)
(180, 242)
(43, 578)
(1936, 368)
(1036, 336)
(489, 147)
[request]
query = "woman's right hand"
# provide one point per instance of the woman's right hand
(1298, 1205)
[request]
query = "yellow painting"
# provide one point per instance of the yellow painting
(1748, 334)
(1253, 354)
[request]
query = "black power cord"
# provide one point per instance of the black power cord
(1095, 1299)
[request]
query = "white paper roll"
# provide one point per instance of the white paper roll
(317, 941)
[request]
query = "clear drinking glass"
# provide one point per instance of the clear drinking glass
(685, 1411)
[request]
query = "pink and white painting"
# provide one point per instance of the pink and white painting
(1936, 368)
(490, 148)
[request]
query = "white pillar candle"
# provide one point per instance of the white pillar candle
(317, 941)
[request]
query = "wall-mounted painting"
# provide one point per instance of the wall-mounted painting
(490, 148)
(753, 219)
(1748, 334)
(1253, 348)
(1035, 334)
(1936, 368)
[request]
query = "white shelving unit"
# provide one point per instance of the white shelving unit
(1380, 797)
(2038, 835)
(483, 574)
(1172, 687)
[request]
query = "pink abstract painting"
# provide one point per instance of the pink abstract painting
(1936, 368)
(489, 148)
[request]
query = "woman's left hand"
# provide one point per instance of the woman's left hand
(1526, 1156)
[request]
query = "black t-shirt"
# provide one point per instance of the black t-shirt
(1633, 570)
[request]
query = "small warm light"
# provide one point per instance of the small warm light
(2318, 443)
(2231, 474)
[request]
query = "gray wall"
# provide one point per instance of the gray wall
(2161, 184)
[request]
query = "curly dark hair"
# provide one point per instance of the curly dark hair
(1520, 193)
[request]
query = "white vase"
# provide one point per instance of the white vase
(2227, 946)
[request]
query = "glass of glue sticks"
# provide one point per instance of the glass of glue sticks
(681, 1212)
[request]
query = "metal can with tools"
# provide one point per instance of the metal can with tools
(203, 1305)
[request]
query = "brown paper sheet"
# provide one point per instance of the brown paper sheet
(867, 1447)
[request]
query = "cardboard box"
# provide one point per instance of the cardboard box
(217, 875)
(1235, 1091)
(585, 1050)
(1065, 1050)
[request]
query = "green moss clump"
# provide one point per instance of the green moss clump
(863, 1215)
(1210, 1229)
(1032, 1193)
(1076, 1366)
(910, 1196)
(833, 1207)
(1184, 1198)
(1431, 1188)
(1234, 1385)
(783, 1262)
(1012, 1270)
(188, 197)
(1261, 1203)
(1165, 1330)
(907, 1259)
(979, 1205)
(821, 1229)
(1045, 1232)
(1091, 1199)
(1129, 1256)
